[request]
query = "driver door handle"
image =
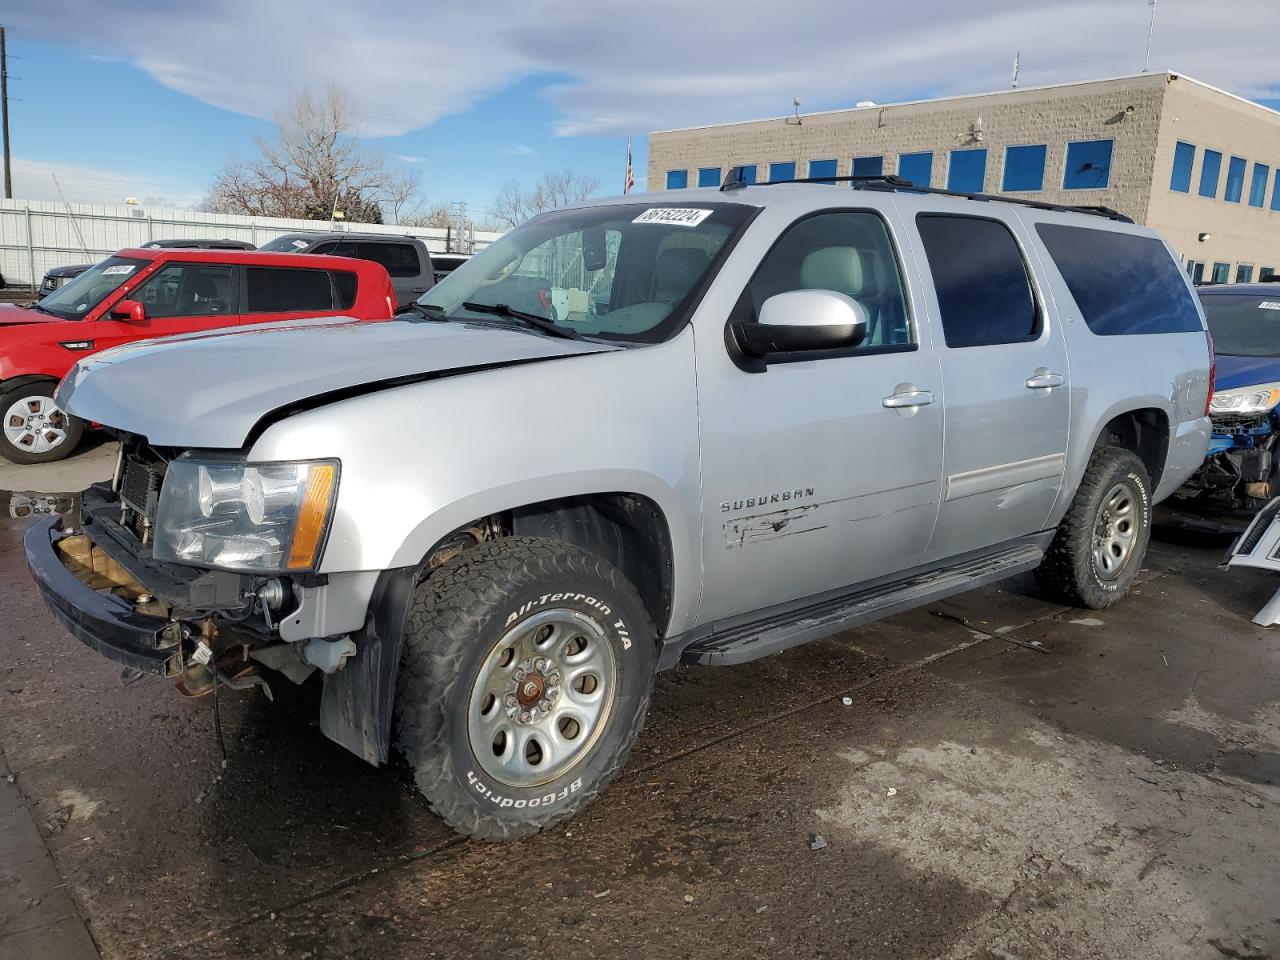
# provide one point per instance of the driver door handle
(1044, 380)
(908, 398)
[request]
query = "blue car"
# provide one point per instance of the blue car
(1240, 473)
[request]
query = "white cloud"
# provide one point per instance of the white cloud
(625, 71)
(34, 180)
(405, 159)
(519, 150)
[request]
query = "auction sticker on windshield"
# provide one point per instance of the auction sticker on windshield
(679, 216)
(117, 269)
(1269, 305)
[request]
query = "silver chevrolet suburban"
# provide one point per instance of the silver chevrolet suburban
(696, 427)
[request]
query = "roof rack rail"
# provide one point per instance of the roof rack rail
(889, 181)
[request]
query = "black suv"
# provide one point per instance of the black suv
(406, 258)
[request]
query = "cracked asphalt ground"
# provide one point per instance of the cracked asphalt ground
(1011, 779)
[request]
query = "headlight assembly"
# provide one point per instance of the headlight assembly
(1246, 401)
(257, 518)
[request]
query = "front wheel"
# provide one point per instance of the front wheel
(1101, 543)
(35, 429)
(525, 680)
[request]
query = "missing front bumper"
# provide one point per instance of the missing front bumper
(99, 618)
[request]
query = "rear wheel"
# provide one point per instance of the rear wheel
(526, 675)
(34, 428)
(1101, 543)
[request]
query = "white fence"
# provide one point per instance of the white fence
(37, 235)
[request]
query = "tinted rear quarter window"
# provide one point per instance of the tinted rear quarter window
(400, 259)
(345, 284)
(984, 293)
(288, 289)
(1122, 283)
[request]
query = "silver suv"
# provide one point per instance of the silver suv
(696, 427)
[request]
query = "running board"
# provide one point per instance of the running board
(783, 631)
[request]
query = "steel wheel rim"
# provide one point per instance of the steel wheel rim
(1115, 530)
(542, 697)
(34, 424)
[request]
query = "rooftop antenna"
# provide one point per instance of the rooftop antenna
(1151, 32)
(1017, 64)
(796, 121)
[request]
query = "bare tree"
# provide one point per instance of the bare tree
(402, 197)
(316, 164)
(430, 215)
(514, 205)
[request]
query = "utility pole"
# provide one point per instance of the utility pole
(4, 117)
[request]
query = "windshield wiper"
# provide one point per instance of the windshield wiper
(531, 319)
(428, 310)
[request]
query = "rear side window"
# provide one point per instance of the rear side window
(1123, 283)
(288, 289)
(984, 293)
(345, 285)
(400, 259)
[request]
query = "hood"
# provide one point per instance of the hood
(211, 389)
(1234, 372)
(11, 315)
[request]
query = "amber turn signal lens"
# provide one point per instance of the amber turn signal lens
(313, 516)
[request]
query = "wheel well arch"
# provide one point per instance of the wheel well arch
(26, 380)
(1145, 431)
(629, 530)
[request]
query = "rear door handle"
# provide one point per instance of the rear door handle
(907, 398)
(1044, 380)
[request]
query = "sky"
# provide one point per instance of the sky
(149, 98)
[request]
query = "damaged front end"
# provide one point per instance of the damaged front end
(1238, 472)
(100, 575)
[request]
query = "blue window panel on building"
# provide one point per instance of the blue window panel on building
(782, 171)
(1088, 165)
(1024, 168)
(916, 167)
(1184, 158)
(1209, 172)
(1235, 180)
(967, 171)
(824, 169)
(745, 172)
(1275, 191)
(708, 176)
(677, 179)
(868, 166)
(1258, 185)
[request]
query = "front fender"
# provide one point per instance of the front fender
(421, 460)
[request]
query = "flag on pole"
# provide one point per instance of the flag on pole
(630, 180)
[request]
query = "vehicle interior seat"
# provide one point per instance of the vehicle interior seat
(210, 293)
(676, 270)
(853, 272)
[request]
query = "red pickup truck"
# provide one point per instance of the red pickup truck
(140, 294)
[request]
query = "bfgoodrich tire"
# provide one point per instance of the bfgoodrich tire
(527, 670)
(1102, 541)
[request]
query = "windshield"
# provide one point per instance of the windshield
(621, 272)
(86, 291)
(1244, 325)
(285, 244)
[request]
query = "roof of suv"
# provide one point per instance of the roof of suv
(345, 235)
(801, 196)
(252, 258)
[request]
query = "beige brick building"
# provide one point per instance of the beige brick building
(1197, 163)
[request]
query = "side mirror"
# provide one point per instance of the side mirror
(130, 310)
(801, 320)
